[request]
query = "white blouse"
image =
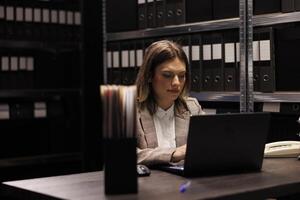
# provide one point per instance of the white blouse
(164, 122)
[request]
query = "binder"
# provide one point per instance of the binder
(195, 63)
(5, 73)
(225, 9)
(256, 64)
(287, 6)
(121, 15)
(109, 60)
(142, 14)
(217, 83)
(132, 62)
(116, 64)
(160, 12)
(197, 11)
(125, 73)
(184, 41)
(169, 20)
(266, 6)
(179, 11)
(151, 13)
(2, 19)
(139, 54)
(287, 49)
(230, 62)
(207, 75)
(10, 21)
(14, 72)
(297, 5)
(266, 60)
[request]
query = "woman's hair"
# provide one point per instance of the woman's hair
(156, 54)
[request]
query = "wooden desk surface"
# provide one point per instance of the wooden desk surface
(278, 177)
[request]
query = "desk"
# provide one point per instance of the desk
(278, 177)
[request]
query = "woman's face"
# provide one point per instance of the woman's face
(168, 82)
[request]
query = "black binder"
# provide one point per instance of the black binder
(142, 14)
(116, 64)
(197, 11)
(231, 69)
(195, 63)
(297, 5)
(256, 63)
(225, 9)
(160, 12)
(266, 6)
(207, 75)
(169, 18)
(125, 68)
(287, 41)
(266, 60)
(139, 54)
(179, 11)
(287, 6)
(109, 60)
(217, 83)
(121, 15)
(151, 13)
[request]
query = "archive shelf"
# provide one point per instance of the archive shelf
(213, 25)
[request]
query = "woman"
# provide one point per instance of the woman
(163, 106)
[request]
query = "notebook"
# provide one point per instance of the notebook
(224, 144)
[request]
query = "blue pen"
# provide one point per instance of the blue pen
(183, 187)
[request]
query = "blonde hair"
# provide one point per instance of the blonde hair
(156, 54)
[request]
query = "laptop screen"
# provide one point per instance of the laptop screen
(226, 143)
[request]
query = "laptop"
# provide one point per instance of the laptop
(224, 144)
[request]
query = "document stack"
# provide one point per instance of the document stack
(119, 131)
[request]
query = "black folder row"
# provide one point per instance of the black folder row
(40, 20)
(141, 14)
(39, 70)
(213, 56)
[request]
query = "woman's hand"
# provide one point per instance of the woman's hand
(179, 154)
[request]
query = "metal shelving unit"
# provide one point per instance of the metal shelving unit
(292, 97)
(37, 93)
(214, 25)
(258, 20)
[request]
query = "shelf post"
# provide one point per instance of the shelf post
(246, 56)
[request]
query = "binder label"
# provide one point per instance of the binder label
(62, 17)
(22, 65)
(195, 52)
(10, 13)
(28, 14)
(13, 63)
(19, 14)
(229, 53)
(116, 62)
(108, 54)
(132, 58)
(255, 51)
(125, 56)
(5, 63)
(46, 16)
(1, 12)
(139, 57)
(265, 48)
(37, 15)
(217, 51)
(207, 52)
(237, 48)
(54, 16)
(30, 64)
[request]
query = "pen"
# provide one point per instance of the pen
(183, 187)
